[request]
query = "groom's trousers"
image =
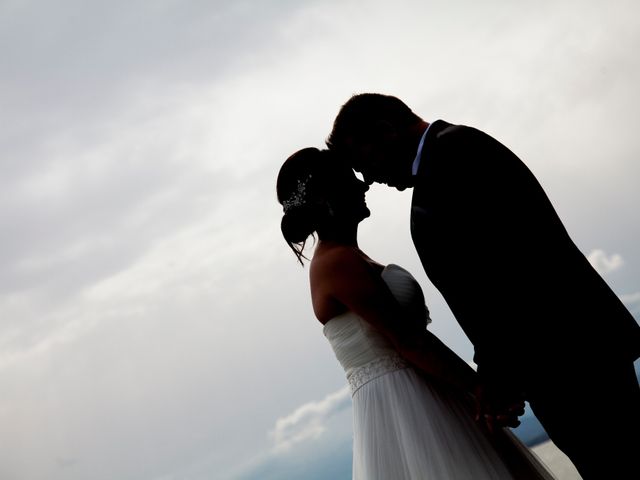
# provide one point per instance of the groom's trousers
(592, 413)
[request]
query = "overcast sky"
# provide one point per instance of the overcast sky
(153, 323)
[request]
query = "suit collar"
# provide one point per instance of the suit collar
(426, 145)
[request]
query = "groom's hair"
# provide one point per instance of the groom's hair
(359, 119)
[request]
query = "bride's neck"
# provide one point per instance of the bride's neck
(344, 235)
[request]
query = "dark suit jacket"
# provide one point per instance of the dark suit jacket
(492, 244)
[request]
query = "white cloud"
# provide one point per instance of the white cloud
(604, 263)
(632, 301)
(308, 420)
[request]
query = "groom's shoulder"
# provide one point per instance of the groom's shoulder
(446, 130)
(459, 138)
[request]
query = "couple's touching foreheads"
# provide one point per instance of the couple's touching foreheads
(544, 325)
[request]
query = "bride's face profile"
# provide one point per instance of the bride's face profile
(346, 197)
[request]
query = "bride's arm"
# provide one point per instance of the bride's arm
(447, 366)
(348, 279)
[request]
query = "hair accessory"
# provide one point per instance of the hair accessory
(299, 196)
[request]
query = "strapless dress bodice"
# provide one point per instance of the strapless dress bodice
(365, 353)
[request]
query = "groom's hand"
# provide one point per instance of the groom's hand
(496, 411)
(508, 416)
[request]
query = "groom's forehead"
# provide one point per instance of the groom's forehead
(340, 167)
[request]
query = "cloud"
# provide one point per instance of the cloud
(308, 420)
(605, 264)
(331, 458)
(312, 442)
(632, 301)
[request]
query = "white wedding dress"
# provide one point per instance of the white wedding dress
(406, 427)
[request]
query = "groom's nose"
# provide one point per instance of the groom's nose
(362, 183)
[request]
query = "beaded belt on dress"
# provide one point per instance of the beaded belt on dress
(374, 369)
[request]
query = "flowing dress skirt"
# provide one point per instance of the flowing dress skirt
(406, 427)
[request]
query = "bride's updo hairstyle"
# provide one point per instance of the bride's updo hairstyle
(302, 186)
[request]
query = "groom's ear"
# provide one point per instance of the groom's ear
(384, 130)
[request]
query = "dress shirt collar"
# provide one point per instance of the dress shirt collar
(416, 161)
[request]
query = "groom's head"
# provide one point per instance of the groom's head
(378, 135)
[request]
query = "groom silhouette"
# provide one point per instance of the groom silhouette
(544, 324)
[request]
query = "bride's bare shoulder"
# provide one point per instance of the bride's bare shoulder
(328, 250)
(332, 267)
(334, 258)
